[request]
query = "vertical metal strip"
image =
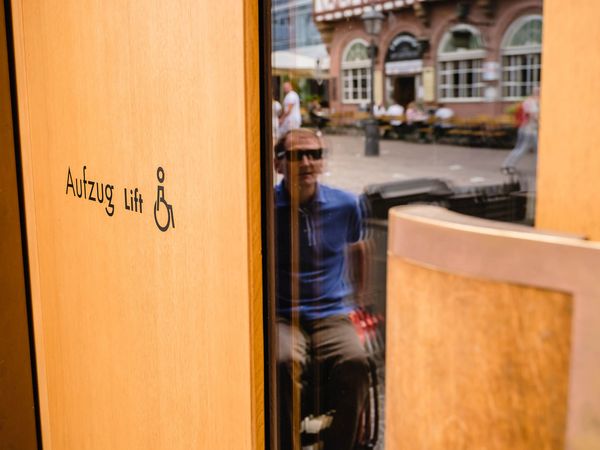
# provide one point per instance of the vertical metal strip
(268, 227)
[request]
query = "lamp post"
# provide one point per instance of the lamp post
(373, 21)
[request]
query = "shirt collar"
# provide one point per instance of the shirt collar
(282, 198)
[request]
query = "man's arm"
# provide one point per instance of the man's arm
(287, 110)
(359, 256)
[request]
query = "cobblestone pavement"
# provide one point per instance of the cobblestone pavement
(347, 167)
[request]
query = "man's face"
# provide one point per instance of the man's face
(300, 170)
(287, 87)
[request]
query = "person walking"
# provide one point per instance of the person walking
(527, 135)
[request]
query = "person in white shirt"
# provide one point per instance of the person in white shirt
(290, 118)
(395, 111)
(379, 110)
(444, 113)
(443, 121)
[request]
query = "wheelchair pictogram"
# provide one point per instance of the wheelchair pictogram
(169, 220)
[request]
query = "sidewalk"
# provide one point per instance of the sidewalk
(347, 167)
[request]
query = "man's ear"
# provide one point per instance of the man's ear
(277, 164)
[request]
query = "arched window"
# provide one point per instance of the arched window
(460, 65)
(356, 74)
(522, 57)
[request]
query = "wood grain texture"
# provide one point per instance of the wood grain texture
(514, 255)
(253, 172)
(17, 413)
(147, 340)
(568, 193)
(474, 364)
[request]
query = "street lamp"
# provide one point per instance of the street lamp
(373, 21)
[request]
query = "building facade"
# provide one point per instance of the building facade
(298, 53)
(292, 25)
(477, 57)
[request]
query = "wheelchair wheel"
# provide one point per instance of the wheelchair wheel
(368, 429)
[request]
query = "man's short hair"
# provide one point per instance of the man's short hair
(280, 148)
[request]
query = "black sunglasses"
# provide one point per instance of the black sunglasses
(297, 155)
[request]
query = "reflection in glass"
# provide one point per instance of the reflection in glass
(322, 367)
(455, 99)
(521, 60)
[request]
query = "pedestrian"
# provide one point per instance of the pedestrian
(276, 112)
(318, 241)
(527, 135)
(291, 117)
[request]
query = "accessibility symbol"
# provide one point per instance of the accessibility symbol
(167, 210)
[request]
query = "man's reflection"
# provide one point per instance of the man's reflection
(318, 230)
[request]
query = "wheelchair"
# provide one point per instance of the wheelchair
(314, 423)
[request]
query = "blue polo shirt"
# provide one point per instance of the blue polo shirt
(327, 224)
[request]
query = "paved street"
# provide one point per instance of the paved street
(348, 168)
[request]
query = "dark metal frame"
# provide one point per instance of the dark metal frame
(268, 225)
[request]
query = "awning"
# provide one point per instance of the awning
(310, 62)
(409, 67)
(334, 10)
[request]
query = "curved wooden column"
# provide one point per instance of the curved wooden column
(493, 335)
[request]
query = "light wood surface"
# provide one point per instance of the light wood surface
(519, 307)
(147, 340)
(568, 192)
(474, 364)
(254, 225)
(17, 413)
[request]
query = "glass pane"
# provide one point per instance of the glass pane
(530, 33)
(461, 39)
(357, 52)
(443, 130)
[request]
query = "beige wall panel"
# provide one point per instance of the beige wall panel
(568, 189)
(474, 364)
(147, 340)
(17, 413)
